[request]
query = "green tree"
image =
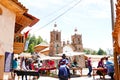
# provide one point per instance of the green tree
(87, 51)
(94, 53)
(90, 51)
(31, 48)
(39, 40)
(33, 41)
(101, 52)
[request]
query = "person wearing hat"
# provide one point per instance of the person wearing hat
(64, 73)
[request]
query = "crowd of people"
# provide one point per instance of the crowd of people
(30, 64)
(63, 66)
(104, 63)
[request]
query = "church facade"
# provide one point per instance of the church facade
(57, 45)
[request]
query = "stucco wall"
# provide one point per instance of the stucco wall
(7, 23)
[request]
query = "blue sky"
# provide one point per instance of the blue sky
(92, 18)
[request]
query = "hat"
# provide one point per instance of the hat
(63, 56)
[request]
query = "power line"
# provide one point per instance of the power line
(59, 15)
(60, 8)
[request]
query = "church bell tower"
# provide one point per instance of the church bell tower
(55, 41)
(77, 41)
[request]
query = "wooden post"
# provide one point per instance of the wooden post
(116, 66)
(116, 30)
(119, 72)
(1, 67)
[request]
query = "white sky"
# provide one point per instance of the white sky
(92, 18)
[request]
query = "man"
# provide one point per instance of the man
(110, 68)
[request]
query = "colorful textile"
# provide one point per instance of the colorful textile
(14, 64)
(63, 73)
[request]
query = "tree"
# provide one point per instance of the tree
(94, 52)
(90, 51)
(39, 40)
(33, 41)
(101, 52)
(31, 48)
(87, 51)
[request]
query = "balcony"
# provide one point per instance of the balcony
(19, 42)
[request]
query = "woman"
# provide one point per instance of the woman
(101, 65)
(64, 73)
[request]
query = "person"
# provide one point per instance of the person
(18, 60)
(89, 66)
(110, 68)
(24, 67)
(14, 64)
(68, 66)
(40, 64)
(64, 72)
(14, 67)
(101, 65)
(31, 65)
(74, 64)
(39, 61)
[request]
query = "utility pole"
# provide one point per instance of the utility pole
(112, 14)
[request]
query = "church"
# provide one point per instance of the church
(58, 46)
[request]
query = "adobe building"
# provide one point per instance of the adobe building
(13, 19)
(57, 46)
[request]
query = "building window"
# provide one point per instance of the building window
(56, 36)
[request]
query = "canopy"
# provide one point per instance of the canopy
(25, 55)
(45, 51)
(71, 53)
(40, 47)
(44, 57)
(50, 58)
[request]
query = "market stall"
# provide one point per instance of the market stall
(79, 56)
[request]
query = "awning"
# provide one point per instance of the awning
(71, 53)
(40, 47)
(25, 55)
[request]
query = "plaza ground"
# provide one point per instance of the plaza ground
(83, 77)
